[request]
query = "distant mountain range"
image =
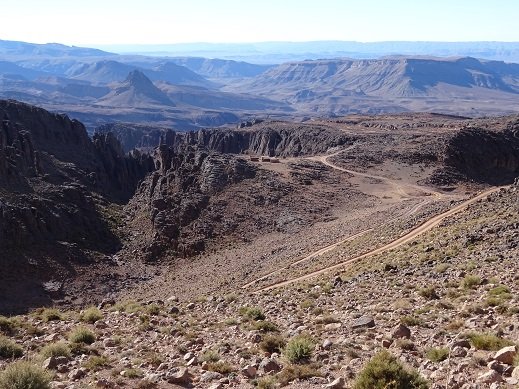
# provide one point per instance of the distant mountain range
(279, 52)
(100, 87)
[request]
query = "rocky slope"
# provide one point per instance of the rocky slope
(56, 190)
(444, 306)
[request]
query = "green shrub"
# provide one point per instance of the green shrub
(24, 375)
(6, 325)
(429, 293)
(488, 342)
(51, 314)
(95, 363)
(9, 349)
(91, 315)
(268, 382)
(82, 335)
(220, 367)
(299, 349)
(265, 326)
(384, 371)
(437, 354)
(60, 349)
(153, 309)
(411, 321)
(300, 372)
(210, 356)
(252, 313)
(273, 343)
(471, 281)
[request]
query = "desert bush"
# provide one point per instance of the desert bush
(266, 383)
(9, 349)
(91, 315)
(96, 362)
(6, 325)
(411, 321)
(429, 293)
(384, 371)
(265, 326)
(82, 335)
(273, 343)
(437, 354)
(471, 281)
(488, 342)
(51, 314)
(252, 313)
(153, 309)
(298, 372)
(210, 356)
(299, 349)
(59, 349)
(24, 375)
(220, 367)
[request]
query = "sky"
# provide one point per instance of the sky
(105, 22)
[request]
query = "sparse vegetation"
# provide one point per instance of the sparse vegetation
(265, 326)
(82, 335)
(9, 349)
(299, 349)
(429, 293)
(471, 281)
(384, 371)
(488, 342)
(51, 314)
(95, 362)
(437, 354)
(301, 372)
(252, 313)
(221, 367)
(24, 375)
(273, 343)
(91, 315)
(59, 349)
(210, 356)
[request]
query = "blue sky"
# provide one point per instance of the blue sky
(161, 21)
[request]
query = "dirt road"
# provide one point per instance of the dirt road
(428, 225)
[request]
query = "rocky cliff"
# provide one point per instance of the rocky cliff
(485, 156)
(58, 194)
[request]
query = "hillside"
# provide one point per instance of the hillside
(390, 84)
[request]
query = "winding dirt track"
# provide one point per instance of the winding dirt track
(428, 225)
(400, 188)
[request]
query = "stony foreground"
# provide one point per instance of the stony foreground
(445, 305)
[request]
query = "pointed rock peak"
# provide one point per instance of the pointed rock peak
(137, 78)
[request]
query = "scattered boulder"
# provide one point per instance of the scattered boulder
(506, 355)
(401, 331)
(363, 322)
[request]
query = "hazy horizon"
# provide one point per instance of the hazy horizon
(158, 22)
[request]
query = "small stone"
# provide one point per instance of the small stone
(77, 374)
(515, 373)
(458, 352)
(104, 383)
(363, 322)
(249, 371)
(216, 385)
(58, 385)
(192, 362)
(386, 343)
(190, 306)
(51, 338)
(269, 365)
(172, 299)
(50, 363)
(506, 355)
(332, 326)
(338, 383)
(490, 377)
(174, 310)
(327, 344)
(401, 331)
(109, 342)
(182, 377)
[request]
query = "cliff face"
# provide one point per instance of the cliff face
(179, 192)
(50, 175)
(485, 156)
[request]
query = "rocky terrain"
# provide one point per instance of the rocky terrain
(274, 253)
(444, 305)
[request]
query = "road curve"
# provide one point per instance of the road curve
(426, 226)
